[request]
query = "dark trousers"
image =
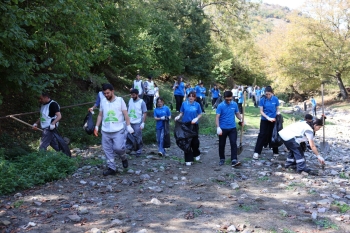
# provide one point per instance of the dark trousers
(48, 139)
(200, 101)
(232, 135)
(213, 101)
(264, 138)
(296, 155)
(314, 111)
(179, 99)
(149, 103)
(194, 152)
(240, 108)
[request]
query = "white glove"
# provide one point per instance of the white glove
(218, 131)
(130, 129)
(278, 113)
(96, 128)
(162, 118)
(142, 125)
(52, 127)
(320, 159)
(194, 121)
(201, 97)
(271, 119)
(35, 125)
(177, 118)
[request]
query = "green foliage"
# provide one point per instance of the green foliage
(343, 207)
(327, 224)
(34, 169)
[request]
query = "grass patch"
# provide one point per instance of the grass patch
(343, 175)
(287, 231)
(264, 178)
(293, 185)
(34, 169)
(327, 224)
(343, 207)
(245, 208)
(18, 204)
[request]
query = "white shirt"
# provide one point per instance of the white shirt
(113, 117)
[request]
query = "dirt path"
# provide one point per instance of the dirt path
(162, 195)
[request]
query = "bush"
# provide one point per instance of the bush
(33, 169)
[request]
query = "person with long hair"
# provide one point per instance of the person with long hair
(191, 111)
(179, 92)
(293, 135)
(161, 114)
(268, 109)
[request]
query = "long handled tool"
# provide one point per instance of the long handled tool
(24, 122)
(324, 145)
(240, 147)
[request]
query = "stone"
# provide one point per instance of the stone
(142, 231)
(17, 195)
(156, 189)
(220, 178)
(314, 215)
(234, 185)
(117, 222)
(145, 177)
(323, 202)
(38, 203)
(83, 210)
(83, 182)
(231, 228)
(95, 230)
(175, 178)
(155, 201)
(5, 222)
(335, 208)
(321, 210)
(335, 196)
(130, 171)
(74, 218)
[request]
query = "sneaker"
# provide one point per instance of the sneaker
(275, 155)
(188, 163)
(110, 171)
(235, 163)
(307, 170)
(255, 156)
(160, 154)
(198, 158)
(125, 163)
(222, 162)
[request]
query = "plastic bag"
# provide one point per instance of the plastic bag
(133, 142)
(62, 145)
(276, 140)
(89, 125)
(217, 102)
(183, 133)
(166, 140)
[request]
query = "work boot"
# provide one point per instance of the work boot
(125, 163)
(110, 171)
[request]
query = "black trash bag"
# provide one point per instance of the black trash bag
(183, 133)
(166, 140)
(217, 102)
(276, 140)
(133, 142)
(62, 145)
(146, 98)
(89, 125)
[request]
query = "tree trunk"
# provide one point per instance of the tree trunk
(343, 91)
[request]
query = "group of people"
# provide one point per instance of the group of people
(116, 120)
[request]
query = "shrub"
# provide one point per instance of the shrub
(34, 169)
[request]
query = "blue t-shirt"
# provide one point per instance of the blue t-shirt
(215, 93)
(190, 111)
(240, 97)
(159, 112)
(198, 91)
(179, 90)
(258, 93)
(313, 102)
(188, 90)
(227, 114)
(263, 91)
(203, 90)
(269, 106)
